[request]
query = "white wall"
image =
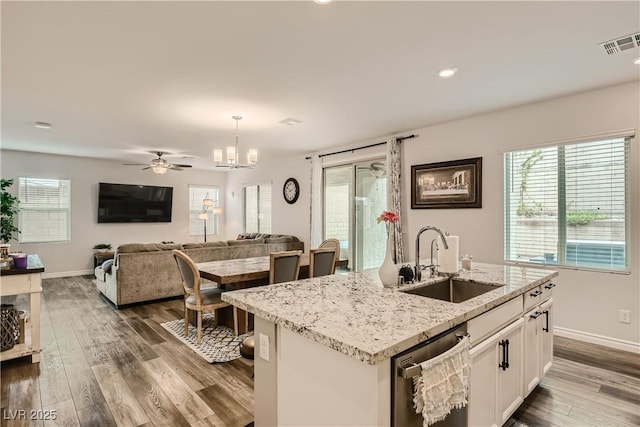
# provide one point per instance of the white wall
(273, 168)
(587, 302)
(76, 256)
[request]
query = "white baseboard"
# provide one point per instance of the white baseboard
(67, 274)
(630, 346)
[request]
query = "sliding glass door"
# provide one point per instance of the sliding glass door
(354, 196)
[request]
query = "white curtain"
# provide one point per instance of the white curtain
(394, 198)
(316, 201)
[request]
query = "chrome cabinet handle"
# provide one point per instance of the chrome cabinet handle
(550, 285)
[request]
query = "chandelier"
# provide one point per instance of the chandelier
(233, 154)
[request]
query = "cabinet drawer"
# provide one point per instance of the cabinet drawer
(532, 298)
(487, 323)
(547, 290)
(538, 294)
(20, 284)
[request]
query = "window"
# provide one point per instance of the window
(569, 205)
(257, 208)
(196, 195)
(354, 196)
(45, 210)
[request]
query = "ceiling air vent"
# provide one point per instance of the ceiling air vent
(290, 121)
(621, 44)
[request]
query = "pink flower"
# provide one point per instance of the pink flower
(388, 217)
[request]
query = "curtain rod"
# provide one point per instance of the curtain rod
(351, 150)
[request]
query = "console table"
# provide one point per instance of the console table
(17, 281)
(100, 257)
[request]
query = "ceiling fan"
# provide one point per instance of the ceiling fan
(159, 165)
(376, 169)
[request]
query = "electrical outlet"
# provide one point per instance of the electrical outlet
(624, 316)
(264, 347)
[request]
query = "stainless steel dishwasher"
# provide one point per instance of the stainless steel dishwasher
(403, 413)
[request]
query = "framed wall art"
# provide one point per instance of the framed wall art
(447, 185)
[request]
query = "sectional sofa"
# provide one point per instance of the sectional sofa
(143, 272)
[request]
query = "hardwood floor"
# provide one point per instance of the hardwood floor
(588, 385)
(103, 367)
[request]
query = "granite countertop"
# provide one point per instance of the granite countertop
(352, 314)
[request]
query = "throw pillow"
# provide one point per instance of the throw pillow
(245, 242)
(106, 266)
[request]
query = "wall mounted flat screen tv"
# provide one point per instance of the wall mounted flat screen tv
(134, 203)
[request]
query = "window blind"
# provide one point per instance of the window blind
(257, 208)
(568, 205)
(196, 195)
(45, 210)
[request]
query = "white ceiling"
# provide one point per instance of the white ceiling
(120, 79)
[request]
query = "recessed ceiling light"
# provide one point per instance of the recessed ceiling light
(322, 1)
(43, 125)
(636, 60)
(445, 73)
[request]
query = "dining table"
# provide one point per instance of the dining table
(233, 274)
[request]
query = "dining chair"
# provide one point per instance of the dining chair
(196, 298)
(283, 267)
(322, 262)
(331, 243)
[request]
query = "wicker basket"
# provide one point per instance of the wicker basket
(10, 326)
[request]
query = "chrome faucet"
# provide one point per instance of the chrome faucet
(418, 275)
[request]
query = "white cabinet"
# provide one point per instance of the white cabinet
(484, 383)
(538, 341)
(510, 351)
(30, 284)
(546, 337)
(496, 376)
(532, 351)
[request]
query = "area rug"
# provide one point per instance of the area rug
(219, 343)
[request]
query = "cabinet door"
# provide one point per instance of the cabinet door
(484, 387)
(546, 336)
(510, 369)
(532, 349)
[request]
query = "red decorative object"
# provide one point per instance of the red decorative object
(388, 216)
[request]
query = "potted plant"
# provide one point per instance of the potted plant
(8, 210)
(102, 247)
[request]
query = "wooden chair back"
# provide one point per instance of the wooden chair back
(190, 274)
(332, 243)
(284, 266)
(196, 299)
(322, 262)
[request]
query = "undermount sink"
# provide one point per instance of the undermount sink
(453, 290)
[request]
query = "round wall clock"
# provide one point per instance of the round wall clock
(291, 190)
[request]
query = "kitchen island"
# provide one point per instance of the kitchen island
(329, 340)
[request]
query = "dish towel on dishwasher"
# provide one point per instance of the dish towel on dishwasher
(443, 384)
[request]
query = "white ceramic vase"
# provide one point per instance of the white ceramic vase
(388, 272)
